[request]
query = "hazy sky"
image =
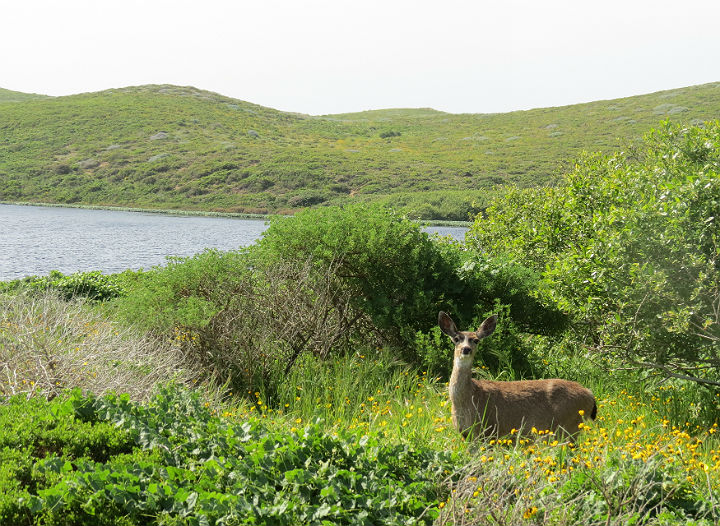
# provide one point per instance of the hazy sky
(336, 56)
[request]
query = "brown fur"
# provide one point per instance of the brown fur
(483, 407)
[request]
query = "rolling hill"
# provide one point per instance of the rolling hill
(162, 146)
(7, 95)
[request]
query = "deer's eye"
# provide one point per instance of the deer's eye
(456, 339)
(475, 341)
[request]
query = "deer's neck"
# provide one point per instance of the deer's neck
(466, 397)
(460, 385)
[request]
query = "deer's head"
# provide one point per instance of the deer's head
(466, 342)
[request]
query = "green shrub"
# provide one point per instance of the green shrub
(384, 264)
(185, 293)
(307, 198)
(497, 279)
(241, 322)
(92, 285)
(628, 247)
(43, 428)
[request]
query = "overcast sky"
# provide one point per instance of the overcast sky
(335, 56)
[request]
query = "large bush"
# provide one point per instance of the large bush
(243, 321)
(385, 264)
(628, 245)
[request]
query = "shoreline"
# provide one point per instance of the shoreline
(160, 211)
(202, 213)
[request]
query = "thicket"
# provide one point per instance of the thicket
(328, 282)
(627, 245)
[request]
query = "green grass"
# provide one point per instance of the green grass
(182, 148)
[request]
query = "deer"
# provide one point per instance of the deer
(500, 408)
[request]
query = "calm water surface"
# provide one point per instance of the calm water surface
(35, 240)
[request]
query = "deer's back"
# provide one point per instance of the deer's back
(524, 404)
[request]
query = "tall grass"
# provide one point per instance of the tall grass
(49, 345)
(371, 392)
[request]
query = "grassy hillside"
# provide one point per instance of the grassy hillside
(180, 147)
(7, 95)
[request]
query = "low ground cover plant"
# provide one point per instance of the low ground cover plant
(93, 285)
(178, 459)
(172, 461)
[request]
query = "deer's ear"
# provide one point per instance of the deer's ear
(446, 324)
(487, 327)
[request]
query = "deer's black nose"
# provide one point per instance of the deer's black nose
(466, 350)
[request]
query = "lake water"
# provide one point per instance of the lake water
(35, 240)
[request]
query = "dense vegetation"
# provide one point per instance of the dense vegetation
(628, 245)
(108, 461)
(183, 148)
(302, 380)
